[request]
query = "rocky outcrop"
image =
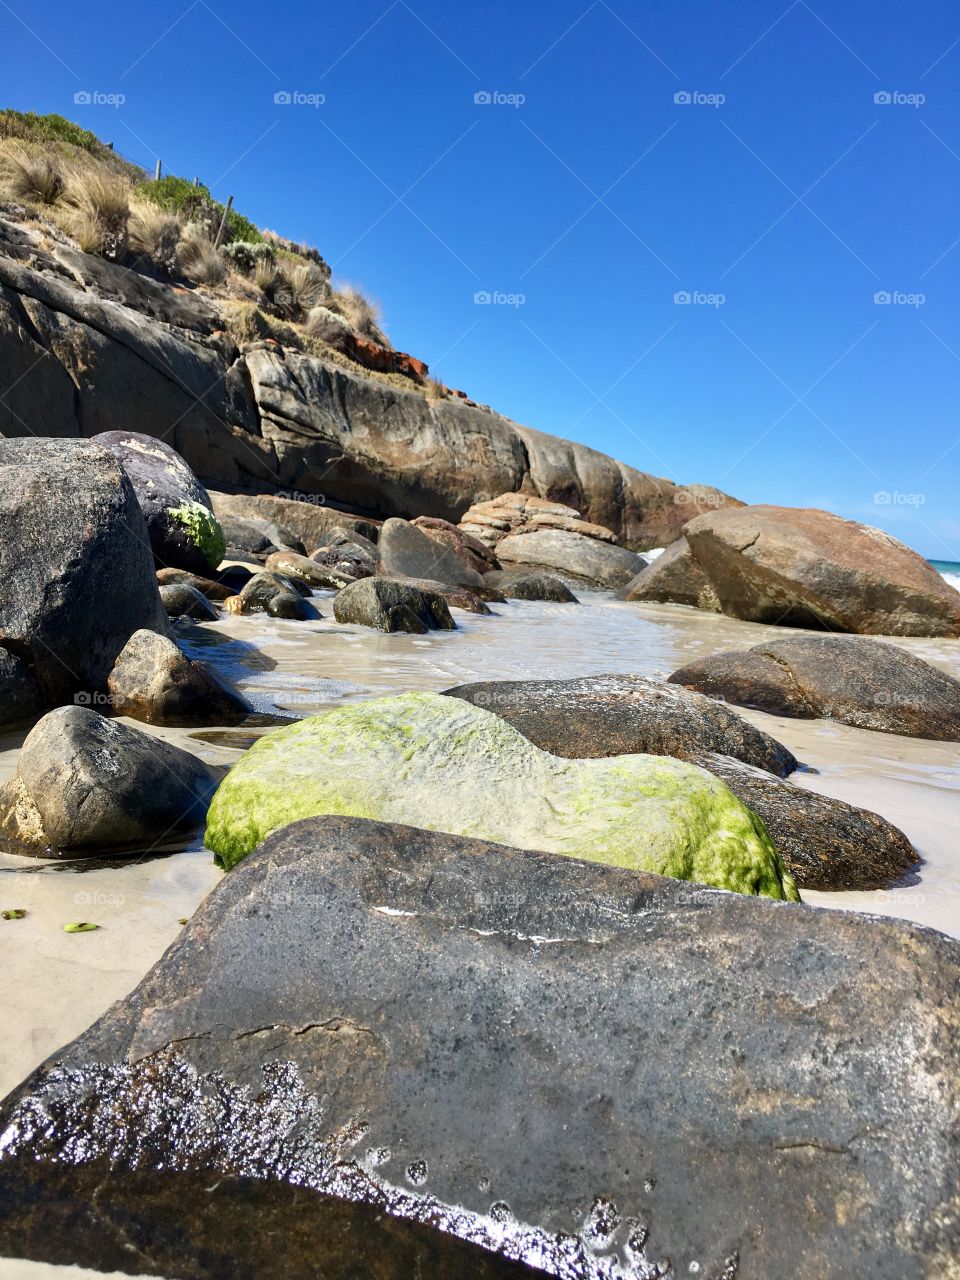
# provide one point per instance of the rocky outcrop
(76, 336)
(807, 568)
(674, 577)
(865, 683)
(312, 522)
(385, 1051)
(85, 784)
(392, 606)
(488, 522)
(440, 763)
(154, 682)
(75, 563)
(184, 533)
(587, 559)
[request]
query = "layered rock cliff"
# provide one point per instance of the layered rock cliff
(88, 346)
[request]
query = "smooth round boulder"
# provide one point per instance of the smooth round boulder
(87, 784)
(866, 683)
(183, 601)
(532, 586)
(184, 532)
(591, 560)
(431, 761)
(290, 605)
(392, 606)
(154, 682)
(259, 590)
(209, 587)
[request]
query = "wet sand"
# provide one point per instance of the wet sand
(56, 984)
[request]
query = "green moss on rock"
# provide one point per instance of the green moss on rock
(435, 762)
(202, 528)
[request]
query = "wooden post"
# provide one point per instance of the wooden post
(156, 176)
(223, 222)
(196, 182)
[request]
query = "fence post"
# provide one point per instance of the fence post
(223, 222)
(156, 176)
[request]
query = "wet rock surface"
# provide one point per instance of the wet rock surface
(614, 715)
(826, 843)
(589, 559)
(85, 782)
(168, 491)
(865, 683)
(518, 585)
(184, 601)
(304, 1050)
(807, 568)
(71, 533)
(392, 606)
(154, 682)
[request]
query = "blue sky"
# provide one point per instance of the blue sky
(777, 194)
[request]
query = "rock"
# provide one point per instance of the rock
(305, 569)
(85, 783)
(209, 587)
(307, 519)
(825, 843)
(20, 698)
(368, 1032)
(474, 553)
(487, 522)
(287, 604)
(262, 587)
(252, 536)
(612, 715)
(440, 763)
(345, 562)
(594, 562)
(181, 601)
(674, 577)
(75, 563)
(406, 551)
(532, 586)
(184, 533)
(153, 681)
(392, 606)
(865, 683)
(808, 568)
(471, 600)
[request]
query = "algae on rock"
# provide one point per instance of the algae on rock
(428, 761)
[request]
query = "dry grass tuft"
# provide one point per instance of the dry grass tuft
(199, 259)
(154, 234)
(36, 179)
(360, 313)
(101, 200)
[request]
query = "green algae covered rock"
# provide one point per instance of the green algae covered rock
(430, 761)
(202, 528)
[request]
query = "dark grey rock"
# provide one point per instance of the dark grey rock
(304, 569)
(87, 784)
(407, 552)
(75, 563)
(163, 483)
(183, 601)
(866, 683)
(212, 588)
(392, 606)
(473, 601)
(288, 604)
(583, 1067)
(257, 593)
(673, 577)
(20, 696)
(826, 843)
(531, 586)
(612, 715)
(153, 681)
(253, 536)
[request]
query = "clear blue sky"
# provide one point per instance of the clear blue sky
(598, 198)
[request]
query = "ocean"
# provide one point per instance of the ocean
(950, 569)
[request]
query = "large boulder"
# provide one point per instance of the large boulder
(808, 568)
(306, 517)
(388, 1052)
(612, 715)
(85, 784)
(75, 564)
(826, 843)
(588, 559)
(474, 553)
(865, 683)
(406, 551)
(20, 696)
(517, 584)
(153, 681)
(184, 601)
(674, 577)
(392, 606)
(441, 763)
(184, 532)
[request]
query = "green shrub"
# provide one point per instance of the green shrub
(51, 128)
(196, 204)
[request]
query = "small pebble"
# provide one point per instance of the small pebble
(80, 926)
(14, 913)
